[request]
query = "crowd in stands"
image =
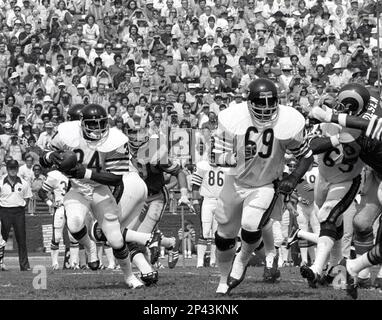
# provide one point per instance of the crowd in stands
(166, 64)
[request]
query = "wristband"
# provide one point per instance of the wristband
(335, 140)
(342, 119)
(88, 174)
(184, 192)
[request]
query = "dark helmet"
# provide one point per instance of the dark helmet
(137, 139)
(353, 98)
(94, 122)
(74, 113)
(263, 101)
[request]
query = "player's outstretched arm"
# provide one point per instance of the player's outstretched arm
(102, 176)
(322, 144)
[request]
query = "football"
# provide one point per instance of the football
(69, 161)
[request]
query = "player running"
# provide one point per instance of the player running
(264, 131)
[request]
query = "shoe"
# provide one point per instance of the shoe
(271, 275)
(233, 283)
(378, 283)
(84, 267)
(26, 269)
(133, 282)
(364, 283)
(94, 265)
(2, 267)
(75, 266)
(213, 265)
(55, 266)
(173, 257)
(101, 267)
(158, 265)
(351, 282)
(293, 238)
(309, 275)
(222, 290)
(111, 267)
(154, 246)
(150, 278)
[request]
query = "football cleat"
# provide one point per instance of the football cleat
(222, 290)
(378, 283)
(233, 283)
(101, 267)
(173, 257)
(309, 275)
(154, 244)
(111, 267)
(94, 265)
(133, 282)
(150, 278)
(84, 267)
(364, 283)
(293, 238)
(75, 266)
(351, 284)
(326, 279)
(271, 275)
(55, 266)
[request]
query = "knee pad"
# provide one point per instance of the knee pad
(223, 244)
(80, 234)
(375, 254)
(328, 229)
(135, 248)
(250, 236)
(121, 253)
(54, 245)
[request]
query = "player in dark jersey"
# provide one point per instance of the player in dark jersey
(150, 158)
(366, 116)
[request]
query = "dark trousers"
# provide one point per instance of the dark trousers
(15, 217)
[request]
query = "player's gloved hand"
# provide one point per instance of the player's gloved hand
(287, 185)
(184, 201)
(55, 157)
(78, 172)
(321, 114)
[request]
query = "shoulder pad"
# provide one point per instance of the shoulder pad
(289, 123)
(235, 120)
(114, 140)
(70, 133)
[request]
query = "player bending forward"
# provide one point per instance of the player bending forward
(264, 131)
(95, 145)
(210, 180)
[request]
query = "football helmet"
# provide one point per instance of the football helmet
(94, 122)
(74, 113)
(353, 99)
(263, 101)
(137, 139)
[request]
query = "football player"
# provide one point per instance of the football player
(57, 184)
(209, 180)
(2, 250)
(98, 148)
(263, 131)
(150, 159)
(364, 115)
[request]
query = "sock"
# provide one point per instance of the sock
(284, 253)
(336, 253)
(324, 246)
(201, 250)
(213, 254)
(2, 250)
(123, 257)
(100, 253)
(74, 258)
(310, 236)
(224, 263)
(109, 256)
(365, 273)
(54, 255)
(82, 257)
(142, 264)
(90, 248)
(269, 245)
(304, 255)
(168, 243)
(356, 265)
(312, 253)
(242, 258)
(138, 237)
(379, 275)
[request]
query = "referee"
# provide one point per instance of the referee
(14, 197)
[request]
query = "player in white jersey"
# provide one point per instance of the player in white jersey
(335, 190)
(57, 185)
(263, 131)
(210, 180)
(99, 149)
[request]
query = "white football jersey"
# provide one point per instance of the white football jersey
(111, 154)
(311, 176)
(332, 164)
(209, 178)
(56, 183)
(260, 152)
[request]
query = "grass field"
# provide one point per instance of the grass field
(180, 283)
